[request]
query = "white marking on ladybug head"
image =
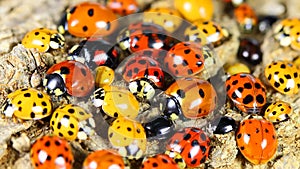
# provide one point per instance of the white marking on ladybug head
(9, 111)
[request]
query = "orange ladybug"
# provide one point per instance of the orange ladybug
(88, 19)
(256, 139)
(246, 17)
(103, 159)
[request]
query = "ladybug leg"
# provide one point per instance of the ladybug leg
(41, 121)
(17, 120)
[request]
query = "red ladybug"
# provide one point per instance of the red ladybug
(192, 144)
(140, 36)
(71, 77)
(185, 59)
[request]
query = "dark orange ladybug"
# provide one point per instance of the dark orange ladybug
(88, 19)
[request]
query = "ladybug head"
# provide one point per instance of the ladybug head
(54, 84)
(172, 109)
(57, 41)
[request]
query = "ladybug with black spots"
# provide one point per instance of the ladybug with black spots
(88, 19)
(278, 111)
(256, 139)
(192, 144)
(246, 17)
(185, 59)
(65, 122)
(287, 31)
(246, 91)
(116, 102)
(128, 137)
(206, 32)
(27, 104)
(51, 152)
(43, 39)
(104, 159)
(159, 161)
(123, 7)
(144, 74)
(283, 76)
(144, 35)
(196, 97)
(69, 77)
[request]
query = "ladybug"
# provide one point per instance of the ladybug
(278, 111)
(128, 137)
(159, 161)
(116, 102)
(235, 68)
(123, 7)
(71, 77)
(195, 10)
(65, 122)
(283, 29)
(295, 36)
(225, 125)
(197, 97)
(141, 65)
(249, 51)
(246, 17)
(184, 59)
(206, 32)
(143, 73)
(95, 52)
(143, 35)
(246, 91)
(287, 33)
(104, 159)
(256, 139)
(192, 144)
(51, 152)
(104, 76)
(168, 18)
(27, 104)
(88, 19)
(283, 76)
(43, 39)
(160, 128)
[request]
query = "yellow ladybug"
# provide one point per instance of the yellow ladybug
(43, 39)
(65, 122)
(27, 104)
